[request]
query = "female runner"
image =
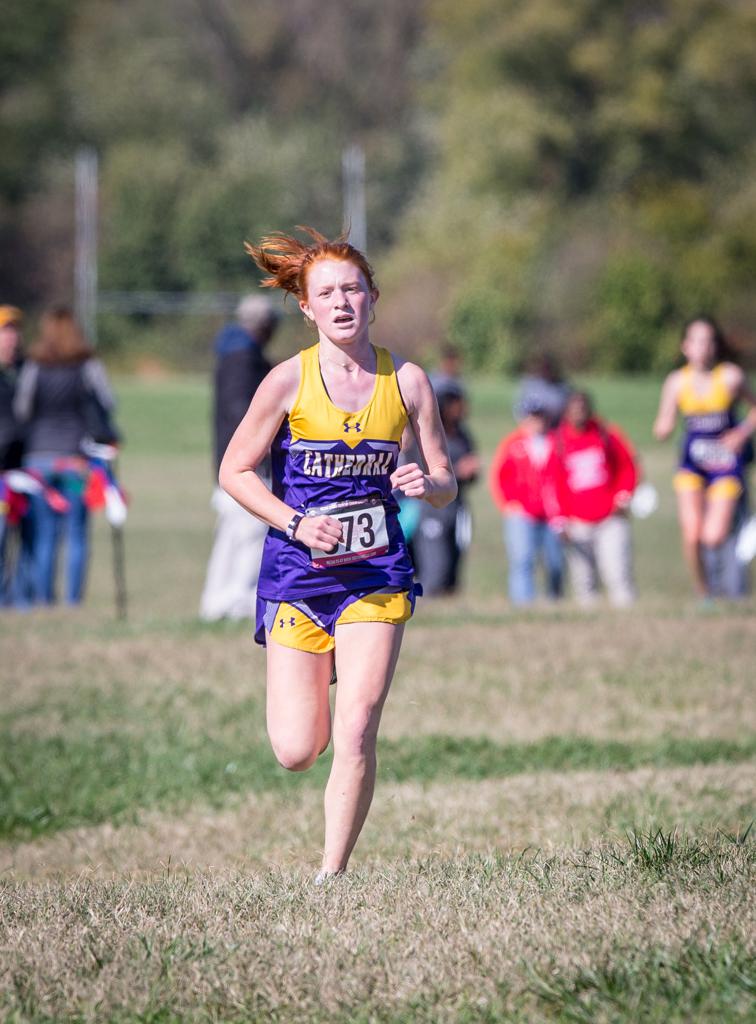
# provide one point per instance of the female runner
(336, 581)
(710, 477)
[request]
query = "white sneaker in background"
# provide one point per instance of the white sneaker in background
(745, 545)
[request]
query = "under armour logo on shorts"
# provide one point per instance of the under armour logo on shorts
(292, 622)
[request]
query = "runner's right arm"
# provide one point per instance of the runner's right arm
(248, 448)
(666, 417)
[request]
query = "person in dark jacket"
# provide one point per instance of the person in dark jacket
(240, 365)
(10, 436)
(10, 365)
(443, 534)
(51, 400)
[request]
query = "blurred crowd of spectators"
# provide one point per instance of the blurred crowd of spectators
(55, 403)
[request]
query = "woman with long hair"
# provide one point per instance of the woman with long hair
(336, 581)
(55, 384)
(710, 478)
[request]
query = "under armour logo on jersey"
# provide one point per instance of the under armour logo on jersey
(292, 622)
(357, 427)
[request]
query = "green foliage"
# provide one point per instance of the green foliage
(539, 149)
(633, 305)
(141, 185)
(633, 121)
(29, 89)
(488, 328)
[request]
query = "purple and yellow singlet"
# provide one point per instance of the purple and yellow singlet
(705, 463)
(328, 461)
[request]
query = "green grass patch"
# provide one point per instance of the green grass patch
(435, 757)
(103, 758)
(658, 986)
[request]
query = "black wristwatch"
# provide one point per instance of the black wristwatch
(291, 529)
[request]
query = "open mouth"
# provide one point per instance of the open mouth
(344, 318)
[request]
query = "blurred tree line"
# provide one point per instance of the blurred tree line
(578, 176)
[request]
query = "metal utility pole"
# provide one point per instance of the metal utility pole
(355, 215)
(85, 272)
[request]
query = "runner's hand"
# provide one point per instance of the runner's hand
(320, 532)
(411, 481)
(734, 440)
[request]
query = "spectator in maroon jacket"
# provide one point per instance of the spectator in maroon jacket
(522, 485)
(595, 474)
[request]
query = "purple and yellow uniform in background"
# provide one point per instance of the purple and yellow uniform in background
(705, 463)
(326, 461)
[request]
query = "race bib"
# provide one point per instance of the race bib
(711, 455)
(364, 532)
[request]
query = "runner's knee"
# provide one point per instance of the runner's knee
(713, 534)
(355, 732)
(293, 756)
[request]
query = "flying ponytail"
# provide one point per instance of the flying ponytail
(287, 260)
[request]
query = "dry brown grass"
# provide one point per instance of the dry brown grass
(446, 932)
(630, 676)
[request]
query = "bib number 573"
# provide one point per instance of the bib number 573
(364, 533)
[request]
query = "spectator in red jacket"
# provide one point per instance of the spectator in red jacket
(521, 481)
(595, 474)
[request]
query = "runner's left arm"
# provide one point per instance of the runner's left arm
(438, 486)
(735, 438)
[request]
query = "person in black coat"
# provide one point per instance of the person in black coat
(54, 387)
(240, 366)
(10, 364)
(10, 434)
(443, 534)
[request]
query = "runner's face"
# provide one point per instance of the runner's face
(698, 346)
(338, 300)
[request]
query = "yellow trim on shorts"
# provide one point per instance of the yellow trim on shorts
(393, 608)
(686, 480)
(725, 487)
(302, 634)
(299, 631)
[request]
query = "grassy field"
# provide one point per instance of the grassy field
(560, 831)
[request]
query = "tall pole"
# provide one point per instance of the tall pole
(355, 215)
(85, 270)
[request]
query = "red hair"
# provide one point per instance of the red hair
(60, 339)
(287, 260)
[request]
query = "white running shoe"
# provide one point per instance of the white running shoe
(325, 877)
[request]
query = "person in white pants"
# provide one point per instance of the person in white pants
(230, 588)
(601, 553)
(595, 474)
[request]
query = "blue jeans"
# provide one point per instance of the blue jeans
(49, 528)
(525, 539)
(6, 569)
(16, 569)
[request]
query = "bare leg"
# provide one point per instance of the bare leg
(690, 512)
(717, 521)
(298, 712)
(366, 655)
